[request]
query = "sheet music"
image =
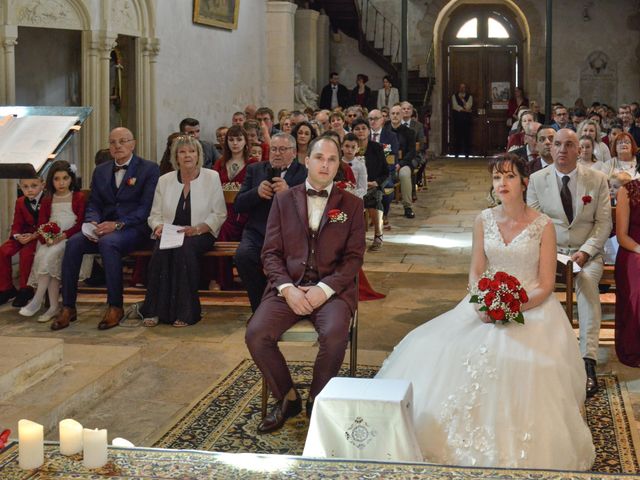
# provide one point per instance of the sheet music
(171, 237)
(32, 139)
(565, 259)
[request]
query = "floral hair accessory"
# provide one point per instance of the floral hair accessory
(586, 199)
(131, 181)
(336, 216)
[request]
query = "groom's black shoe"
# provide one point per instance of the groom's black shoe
(592, 380)
(283, 410)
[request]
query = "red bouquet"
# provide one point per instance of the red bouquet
(49, 232)
(500, 295)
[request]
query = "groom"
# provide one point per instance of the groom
(313, 249)
(577, 200)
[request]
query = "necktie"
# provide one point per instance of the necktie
(117, 168)
(313, 193)
(375, 136)
(565, 196)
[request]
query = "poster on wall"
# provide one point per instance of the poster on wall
(500, 94)
(216, 13)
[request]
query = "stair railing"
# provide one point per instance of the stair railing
(377, 28)
(431, 75)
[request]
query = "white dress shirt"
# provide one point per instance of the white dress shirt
(121, 173)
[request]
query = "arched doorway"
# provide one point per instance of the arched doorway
(481, 47)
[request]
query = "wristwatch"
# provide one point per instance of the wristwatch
(119, 225)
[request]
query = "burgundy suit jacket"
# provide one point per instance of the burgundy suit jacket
(340, 246)
(22, 219)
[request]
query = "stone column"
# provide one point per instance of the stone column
(147, 50)
(8, 42)
(323, 42)
(279, 54)
(306, 43)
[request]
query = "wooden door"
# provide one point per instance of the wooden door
(489, 73)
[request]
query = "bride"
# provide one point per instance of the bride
(501, 395)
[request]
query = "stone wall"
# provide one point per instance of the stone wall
(346, 59)
(207, 73)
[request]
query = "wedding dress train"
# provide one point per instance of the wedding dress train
(498, 395)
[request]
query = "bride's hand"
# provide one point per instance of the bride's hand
(483, 315)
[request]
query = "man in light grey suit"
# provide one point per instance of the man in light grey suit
(577, 200)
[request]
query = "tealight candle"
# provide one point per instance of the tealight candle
(30, 444)
(70, 437)
(94, 447)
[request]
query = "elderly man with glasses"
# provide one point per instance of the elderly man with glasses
(262, 181)
(115, 224)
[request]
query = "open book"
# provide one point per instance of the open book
(565, 259)
(28, 142)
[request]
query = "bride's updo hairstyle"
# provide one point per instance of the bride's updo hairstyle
(509, 162)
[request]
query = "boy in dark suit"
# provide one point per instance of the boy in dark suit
(313, 249)
(22, 241)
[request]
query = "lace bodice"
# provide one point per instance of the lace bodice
(521, 256)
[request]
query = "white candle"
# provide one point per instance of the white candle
(70, 437)
(95, 448)
(30, 444)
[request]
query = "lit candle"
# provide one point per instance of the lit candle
(30, 444)
(95, 448)
(70, 437)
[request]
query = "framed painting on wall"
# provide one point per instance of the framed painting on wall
(216, 13)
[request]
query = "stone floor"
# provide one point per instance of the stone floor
(422, 268)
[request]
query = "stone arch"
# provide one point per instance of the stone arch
(129, 17)
(438, 15)
(64, 14)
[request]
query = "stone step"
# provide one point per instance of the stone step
(87, 373)
(27, 361)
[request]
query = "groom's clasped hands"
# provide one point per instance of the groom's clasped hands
(304, 300)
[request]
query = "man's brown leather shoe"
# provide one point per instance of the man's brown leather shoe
(66, 316)
(283, 410)
(112, 318)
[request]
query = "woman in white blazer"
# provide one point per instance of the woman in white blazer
(191, 198)
(388, 95)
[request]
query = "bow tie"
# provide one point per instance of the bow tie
(33, 202)
(312, 193)
(117, 168)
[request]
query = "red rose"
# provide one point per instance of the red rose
(523, 296)
(333, 212)
(483, 284)
(341, 185)
(586, 199)
(496, 314)
(489, 298)
(507, 297)
(494, 285)
(501, 276)
(514, 306)
(512, 283)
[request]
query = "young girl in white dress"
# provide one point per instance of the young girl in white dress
(65, 206)
(501, 395)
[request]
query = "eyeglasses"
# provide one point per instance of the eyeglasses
(279, 149)
(623, 142)
(113, 143)
(374, 119)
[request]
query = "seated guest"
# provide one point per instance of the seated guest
(321, 119)
(296, 117)
(262, 181)
(592, 129)
(614, 130)
(165, 162)
(23, 240)
(405, 159)
(336, 120)
(282, 114)
(516, 139)
(232, 168)
(587, 157)
(117, 211)
(623, 161)
(349, 156)
(238, 118)
(304, 133)
(255, 152)
(627, 278)
(529, 151)
(254, 134)
(311, 260)
(250, 111)
(544, 140)
(102, 156)
(191, 126)
(377, 174)
(189, 197)
(221, 132)
(582, 226)
(561, 118)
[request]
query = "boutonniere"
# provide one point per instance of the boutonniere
(336, 216)
(586, 199)
(131, 181)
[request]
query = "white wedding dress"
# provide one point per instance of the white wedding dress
(498, 395)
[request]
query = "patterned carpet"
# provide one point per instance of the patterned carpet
(226, 418)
